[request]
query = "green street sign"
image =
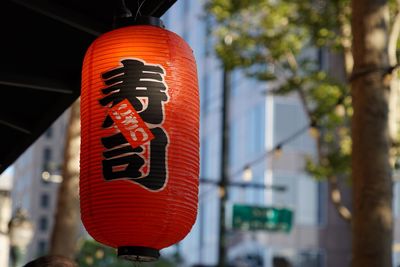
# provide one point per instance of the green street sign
(247, 217)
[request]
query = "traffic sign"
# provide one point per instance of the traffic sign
(246, 217)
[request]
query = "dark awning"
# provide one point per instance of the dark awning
(41, 51)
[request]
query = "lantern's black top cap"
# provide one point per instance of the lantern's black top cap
(140, 20)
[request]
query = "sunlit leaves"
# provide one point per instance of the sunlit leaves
(248, 24)
(278, 40)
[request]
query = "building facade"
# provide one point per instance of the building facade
(258, 123)
(32, 188)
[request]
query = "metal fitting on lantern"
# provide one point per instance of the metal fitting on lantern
(124, 16)
(141, 254)
(141, 20)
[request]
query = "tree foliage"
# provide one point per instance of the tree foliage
(282, 41)
(95, 254)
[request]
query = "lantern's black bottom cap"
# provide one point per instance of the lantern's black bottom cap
(138, 254)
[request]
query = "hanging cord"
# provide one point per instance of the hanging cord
(121, 12)
(139, 7)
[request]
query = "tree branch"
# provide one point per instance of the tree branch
(335, 193)
(64, 236)
(393, 37)
(336, 198)
(392, 78)
(334, 190)
(345, 40)
(294, 67)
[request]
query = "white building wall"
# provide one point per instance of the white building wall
(31, 192)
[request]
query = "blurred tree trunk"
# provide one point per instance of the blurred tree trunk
(371, 172)
(65, 231)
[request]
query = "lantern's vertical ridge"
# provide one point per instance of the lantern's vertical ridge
(130, 211)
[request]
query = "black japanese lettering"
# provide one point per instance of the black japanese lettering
(144, 87)
(136, 82)
(126, 162)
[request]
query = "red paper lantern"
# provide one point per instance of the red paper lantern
(139, 150)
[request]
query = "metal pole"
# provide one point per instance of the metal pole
(226, 86)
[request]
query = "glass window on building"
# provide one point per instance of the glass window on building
(44, 200)
(43, 224)
(214, 158)
(214, 94)
(213, 86)
(307, 201)
(41, 247)
(205, 93)
(210, 157)
(298, 258)
(289, 118)
(322, 58)
(49, 132)
(47, 154)
(46, 159)
(396, 199)
(322, 204)
(256, 120)
(257, 195)
(204, 151)
(186, 21)
(236, 79)
(289, 196)
(234, 146)
(48, 165)
(301, 195)
(310, 259)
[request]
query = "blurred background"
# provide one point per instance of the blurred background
(280, 209)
